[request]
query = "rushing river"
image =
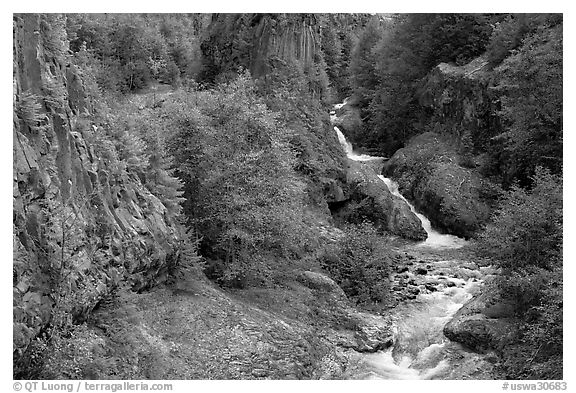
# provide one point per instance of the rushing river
(420, 350)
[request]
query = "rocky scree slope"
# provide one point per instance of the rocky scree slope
(305, 329)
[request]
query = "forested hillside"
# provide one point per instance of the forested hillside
(185, 168)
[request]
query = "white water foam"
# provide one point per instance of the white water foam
(435, 239)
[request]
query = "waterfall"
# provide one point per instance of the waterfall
(347, 146)
(435, 239)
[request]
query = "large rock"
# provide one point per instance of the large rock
(321, 282)
(372, 200)
(364, 332)
(457, 200)
(485, 322)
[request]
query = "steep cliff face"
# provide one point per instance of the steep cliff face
(293, 38)
(253, 41)
(82, 223)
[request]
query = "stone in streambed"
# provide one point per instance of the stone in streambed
(373, 336)
(421, 270)
(370, 199)
(485, 322)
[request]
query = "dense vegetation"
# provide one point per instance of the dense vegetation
(223, 119)
(391, 58)
(360, 264)
(249, 153)
(525, 51)
(525, 239)
(518, 144)
(182, 135)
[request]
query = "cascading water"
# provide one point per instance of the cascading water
(420, 350)
(347, 146)
(434, 239)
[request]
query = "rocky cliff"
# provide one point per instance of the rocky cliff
(295, 38)
(440, 171)
(253, 41)
(82, 223)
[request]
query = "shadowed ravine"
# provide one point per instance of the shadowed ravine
(420, 350)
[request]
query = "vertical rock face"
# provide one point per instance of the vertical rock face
(290, 38)
(82, 224)
(251, 41)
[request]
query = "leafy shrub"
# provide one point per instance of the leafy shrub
(527, 229)
(29, 110)
(242, 193)
(360, 264)
(537, 353)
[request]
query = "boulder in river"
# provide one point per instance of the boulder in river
(485, 322)
(455, 199)
(421, 270)
(371, 200)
